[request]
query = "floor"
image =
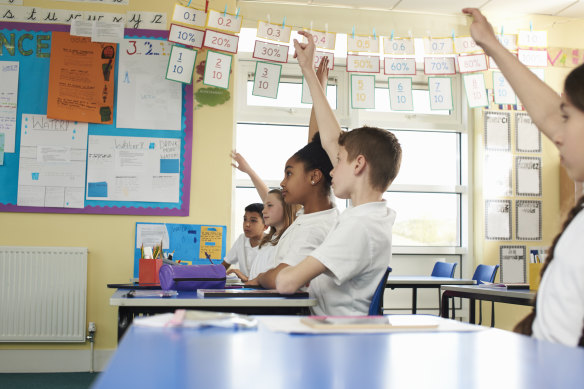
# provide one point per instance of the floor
(47, 380)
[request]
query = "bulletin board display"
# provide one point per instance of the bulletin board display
(29, 45)
(189, 244)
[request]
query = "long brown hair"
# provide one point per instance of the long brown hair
(289, 217)
(524, 326)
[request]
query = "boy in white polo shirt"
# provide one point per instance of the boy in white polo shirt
(346, 268)
(245, 248)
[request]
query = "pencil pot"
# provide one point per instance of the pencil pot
(192, 277)
(148, 271)
(534, 275)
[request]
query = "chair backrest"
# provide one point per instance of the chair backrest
(485, 273)
(376, 307)
(443, 269)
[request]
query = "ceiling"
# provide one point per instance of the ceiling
(566, 8)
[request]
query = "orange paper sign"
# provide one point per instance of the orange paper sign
(81, 79)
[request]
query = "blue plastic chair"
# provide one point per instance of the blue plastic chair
(443, 269)
(376, 307)
(485, 273)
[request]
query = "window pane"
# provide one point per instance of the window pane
(268, 147)
(289, 95)
(243, 198)
(424, 219)
(421, 103)
(428, 158)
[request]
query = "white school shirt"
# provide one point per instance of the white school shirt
(264, 261)
(356, 254)
(304, 235)
(560, 298)
(242, 253)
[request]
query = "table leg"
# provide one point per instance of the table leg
(472, 313)
(444, 309)
(124, 321)
(414, 300)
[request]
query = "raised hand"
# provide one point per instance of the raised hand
(239, 162)
(305, 51)
(322, 72)
(480, 29)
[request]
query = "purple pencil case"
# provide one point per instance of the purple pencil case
(192, 277)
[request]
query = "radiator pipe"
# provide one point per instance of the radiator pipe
(91, 338)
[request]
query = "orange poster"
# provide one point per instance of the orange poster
(81, 79)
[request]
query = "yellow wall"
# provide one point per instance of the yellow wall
(110, 238)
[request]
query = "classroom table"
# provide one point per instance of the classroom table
(415, 282)
(128, 308)
(259, 358)
(479, 292)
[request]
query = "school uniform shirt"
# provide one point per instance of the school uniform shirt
(356, 254)
(560, 298)
(264, 261)
(242, 253)
(305, 234)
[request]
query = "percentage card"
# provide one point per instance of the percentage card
(465, 45)
(502, 90)
(398, 46)
(399, 66)
(476, 92)
(266, 80)
(186, 36)
(319, 55)
(270, 52)
(220, 41)
(323, 39)
(223, 21)
(440, 89)
(362, 43)
(363, 63)
(438, 46)
(217, 69)
(509, 41)
(181, 64)
(192, 17)
(532, 39)
(472, 63)
(439, 65)
(536, 58)
(362, 91)
(400, 93)
(274, 32)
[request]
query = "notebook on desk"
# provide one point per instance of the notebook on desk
(247, 292)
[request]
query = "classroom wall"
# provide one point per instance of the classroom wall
(110, 238)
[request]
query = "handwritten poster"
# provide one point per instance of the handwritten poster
(133, 169)
(8, 101)
(513, 262)
(211, 243)
(497, 131)
(52, 162)
(528, 219)
(528, 176)
(146, 100)
(527, 135)
(81, 79)
(498, 219)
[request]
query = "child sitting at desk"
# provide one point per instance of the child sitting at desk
(347, 267)
(245, 248)
(558, 315)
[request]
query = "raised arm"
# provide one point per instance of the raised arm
(328, 125)
(322, 75)
(292, 278)
(241, 164)
(541, 102)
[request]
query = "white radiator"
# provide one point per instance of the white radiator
(42, 294)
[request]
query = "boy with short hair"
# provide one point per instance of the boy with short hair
(245, 248)
(345, 270)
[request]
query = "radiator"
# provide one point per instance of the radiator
(43, 294)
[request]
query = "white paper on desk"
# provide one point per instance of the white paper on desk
(498, 219)
(497, 131)
(528, 219)
(528, 176)
(513, 263)
(292, 324)
(52, 162)
(8, 100)
(146, 100)
(150, 235)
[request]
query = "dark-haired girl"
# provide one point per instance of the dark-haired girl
(558, 315)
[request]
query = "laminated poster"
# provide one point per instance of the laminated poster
(528, 219)
(512, 260)
(498, 219)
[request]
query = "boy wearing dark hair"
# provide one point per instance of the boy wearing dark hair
(346, 268)
(245, 248)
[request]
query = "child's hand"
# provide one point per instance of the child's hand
(240, 162)
(305, 51)
(253, 282)
(480, 29)
(322, 72)
(238, 273)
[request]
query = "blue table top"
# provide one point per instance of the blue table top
(225, 358)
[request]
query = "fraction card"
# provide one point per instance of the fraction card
(267, 79)
(476, 92)
(181, 64)
(400, 93)
(362, 91)
(503, 92)
(217, 69)
(440, 89)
